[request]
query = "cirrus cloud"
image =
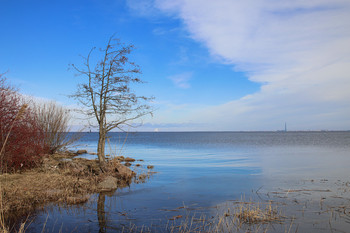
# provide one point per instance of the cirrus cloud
(181, 80)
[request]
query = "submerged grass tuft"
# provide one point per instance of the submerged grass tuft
(253, 213)
(240, 216)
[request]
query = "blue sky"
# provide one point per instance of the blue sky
(211, 65)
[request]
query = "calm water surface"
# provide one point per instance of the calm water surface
(202, 170)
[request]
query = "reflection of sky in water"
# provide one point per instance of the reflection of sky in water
(206, 169)
(305, 162)
(293, 154)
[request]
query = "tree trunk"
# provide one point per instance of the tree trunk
(101, 147)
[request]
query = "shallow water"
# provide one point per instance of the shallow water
(199, 173)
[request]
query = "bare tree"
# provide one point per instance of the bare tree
(106, 94)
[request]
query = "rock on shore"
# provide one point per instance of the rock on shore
(109, 183)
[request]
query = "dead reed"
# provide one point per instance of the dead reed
(25, 192)
(56, 181)
(253, 213)
(240, 216)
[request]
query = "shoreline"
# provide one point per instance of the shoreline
(324, 201)
(264, 209)
(61, 179)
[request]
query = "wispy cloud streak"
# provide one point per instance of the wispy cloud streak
(181, 80)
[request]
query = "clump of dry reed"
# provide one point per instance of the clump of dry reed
(240, 216)
(249, 216)
(252, 213)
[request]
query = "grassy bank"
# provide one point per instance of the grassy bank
(62, 179)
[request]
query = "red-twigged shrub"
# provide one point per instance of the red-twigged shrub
(22, 141)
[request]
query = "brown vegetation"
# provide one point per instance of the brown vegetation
(253, 213)
(21, 137)
(240, 216)
(60, 179)
(29, 130)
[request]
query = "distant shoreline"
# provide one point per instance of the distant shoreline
(228, 131)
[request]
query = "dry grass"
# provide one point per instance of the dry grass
(253, 213)
(249, 217)
(67, 181)
(240, 216)
(26, 191)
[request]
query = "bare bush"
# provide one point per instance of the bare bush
(54, 120)
(21, 138)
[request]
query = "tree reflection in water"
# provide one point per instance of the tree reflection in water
(101, 214)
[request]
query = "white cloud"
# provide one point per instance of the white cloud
(298, 50)
(181, 80)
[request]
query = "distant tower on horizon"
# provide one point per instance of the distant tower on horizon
(285, 127)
